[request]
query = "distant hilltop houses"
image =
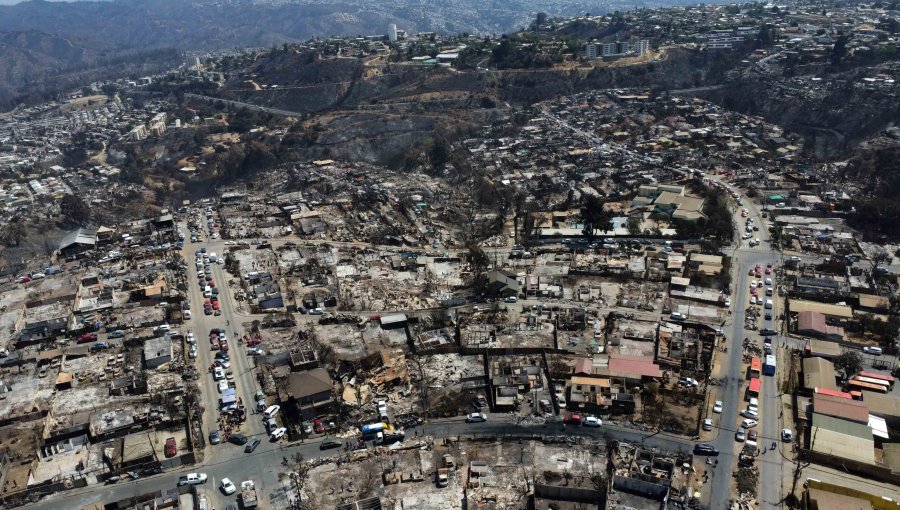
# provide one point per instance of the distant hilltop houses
(617, 49)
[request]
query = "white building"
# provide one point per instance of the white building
(617, 49)
(392, 32)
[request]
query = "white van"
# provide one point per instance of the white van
(271, 411)
(278, 433)
(769, 304)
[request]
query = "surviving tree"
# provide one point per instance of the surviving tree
(74, 211)
(593, 217)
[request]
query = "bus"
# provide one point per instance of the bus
(881, 377)
(755, 367)
(871, 380)
(769, 366)
(855, 384)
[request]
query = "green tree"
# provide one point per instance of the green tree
(594, 217)
(439, 154)
(13, 233)
(849, 363)
(73, 210)
(839, 51)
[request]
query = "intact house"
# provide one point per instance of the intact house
(77, 243)
(309, 393)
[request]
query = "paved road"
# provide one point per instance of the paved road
(264, 464)
(734, 399)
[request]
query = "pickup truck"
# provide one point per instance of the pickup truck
(192, 479)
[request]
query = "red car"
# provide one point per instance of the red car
(223, 345)
(318, 426)
(215, 305)
(252, 342)
(572, 418)
(85, 338)
(212, 283)
(171, 450)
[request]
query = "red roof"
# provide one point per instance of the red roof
(883, 377)
(833, 393)
(852, 410)
(755, 385)
(584, 366)
(633, 366)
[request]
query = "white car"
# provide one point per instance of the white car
(218, 374)
(748, 423)
(592, 421)
(476, 418)
(227, 487)
(187, 314)
(750, 413)
(223, 385)
(872, 350)
(707, 424)
(787, 435)
(382, 408)
(717, 406)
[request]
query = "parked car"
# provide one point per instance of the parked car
(750, 413)
(592, 421)
(748, 423)
(215, 437)
(238, 439)
(252, 446)
(476, 417)
(85, 338)
(740, 436)
(171, 448)
(717, 406)
(707, 424)
(329, 444)
(318, 426)
(705, 449)
(688, 382)
(787, 435)
(868, 349)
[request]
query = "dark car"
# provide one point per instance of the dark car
(767, 332)
(252, 446)
(238, 439)
(705, 449)
(329, 444)
(215, 437)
